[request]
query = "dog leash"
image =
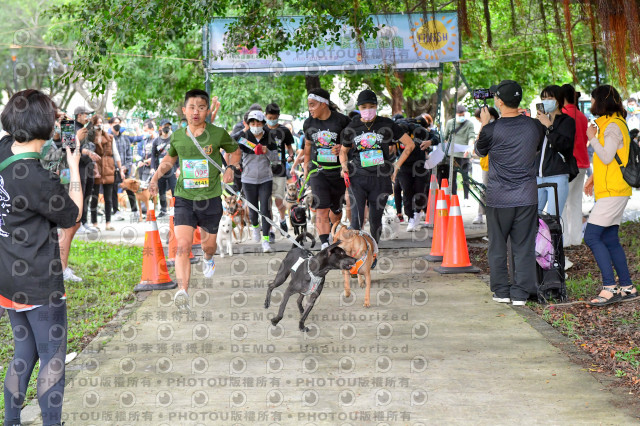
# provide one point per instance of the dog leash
(239, 195)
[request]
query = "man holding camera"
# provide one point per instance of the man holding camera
(512, 193)
(87, 158)
(159, 150)
(458, 131)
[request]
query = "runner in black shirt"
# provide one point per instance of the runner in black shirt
(323, 132)
(371, 170)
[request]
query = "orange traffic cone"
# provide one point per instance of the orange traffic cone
(456, 254)
(155, 275)
(439, 230)
(173, 246)
(431, 205)
(444, 185)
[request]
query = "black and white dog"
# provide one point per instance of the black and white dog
(308, 273)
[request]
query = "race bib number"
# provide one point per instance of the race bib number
(195, 174)
(325, 156)
(246, 142)
(371, 158)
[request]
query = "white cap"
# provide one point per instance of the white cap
(256, 115)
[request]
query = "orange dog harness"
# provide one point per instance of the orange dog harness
(360, 262)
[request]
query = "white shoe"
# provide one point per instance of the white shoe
(208, 267)
(324, 246)
(412, 225)
(82, 230)
(68, 275)
(501, 299)
(567, 264)
(135, 216)
(256, 235)
(478, 220)
(266, 247)
(181, 300)
(519, 302)
(118, 216)
(91, 229)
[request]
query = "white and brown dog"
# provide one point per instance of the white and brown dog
(239, 215)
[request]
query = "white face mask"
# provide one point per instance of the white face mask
(550, 105)
(255, 130)
(460, 119)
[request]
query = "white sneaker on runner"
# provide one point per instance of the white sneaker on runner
(68, 275)
(266, 247)
(256, 234)
(181, 300)
(412, 225)
(324, 246)
(208, 267)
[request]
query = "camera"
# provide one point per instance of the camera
(68, 133)
(483, 94)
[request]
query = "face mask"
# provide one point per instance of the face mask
(116, 127)
(368, 114)
(166, 130)
(550, 105)
(183, 125)
(631, 108)
(492, 120)
(460, 119)
(272, 122)
(255, 130)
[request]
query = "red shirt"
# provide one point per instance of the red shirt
(580, 142)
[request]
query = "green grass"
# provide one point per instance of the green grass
(110, 272)
(583, 288)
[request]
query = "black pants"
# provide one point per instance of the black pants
(165, 184)
(414, 192)
(260, 196)
(87, 190)
(107, 189)
(519, 224)
(375, 191)
(397, 194)
(132, 200)
(443, 173)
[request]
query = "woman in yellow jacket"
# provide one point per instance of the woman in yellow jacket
(612, 193)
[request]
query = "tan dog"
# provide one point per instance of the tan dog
(135, 186)
(239, 215)
(123, 200)
(291, 196)
(364, 248)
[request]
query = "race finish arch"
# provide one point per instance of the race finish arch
(406, 42)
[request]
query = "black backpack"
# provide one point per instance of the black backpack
(631, 172)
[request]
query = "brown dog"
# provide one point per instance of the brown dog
(239, 215)
(135, 186)
(364, 248)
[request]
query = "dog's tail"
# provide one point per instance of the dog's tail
(300, 239)
(334, 229)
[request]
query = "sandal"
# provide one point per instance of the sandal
(629, 292)
(603, 300)
(109, 228)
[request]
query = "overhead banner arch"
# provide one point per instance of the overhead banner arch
(405, 42)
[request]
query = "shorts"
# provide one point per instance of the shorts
(279, 188)
(328, 190)
(203, 213)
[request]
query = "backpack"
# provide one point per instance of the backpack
(631, 172)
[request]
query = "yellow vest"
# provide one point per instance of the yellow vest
(607, 178)
(484, 163)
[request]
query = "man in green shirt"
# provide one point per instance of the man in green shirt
(198, 190)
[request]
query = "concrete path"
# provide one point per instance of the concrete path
(432, 349)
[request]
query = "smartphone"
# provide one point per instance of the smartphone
(540, 108)
(68, 133)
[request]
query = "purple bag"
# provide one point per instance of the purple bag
(544, 247)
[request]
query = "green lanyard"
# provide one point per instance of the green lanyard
(18, 157)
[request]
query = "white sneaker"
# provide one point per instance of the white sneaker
(82, 230)
(118, 216)
(478, 220)
(181, 300)
(519, 302)
(135, 216)
(501, 299)
(256, 234)
(208, 267)
(324, 246)
(68, 275)
(91, 229)
(266, 247)
(567, 264)
(412, 225)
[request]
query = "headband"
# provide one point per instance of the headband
(318, 98)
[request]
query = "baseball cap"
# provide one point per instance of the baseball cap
(165, 121)
(367, 97)
(82, 110)
(461, 109)
(508, 90)
(255, 115)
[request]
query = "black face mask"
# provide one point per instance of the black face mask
(116, 127)
(166, 130)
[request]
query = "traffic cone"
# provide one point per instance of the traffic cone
(155, 275)
(439, 230)
(444, 185)
(431, 205)
(456, 254)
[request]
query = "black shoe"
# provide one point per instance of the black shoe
(272, 237)
(375, 262)
(162, 214)
(283, 225)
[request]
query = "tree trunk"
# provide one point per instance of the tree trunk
(312, 82)
(397, 95)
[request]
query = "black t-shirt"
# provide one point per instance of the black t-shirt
(415, 161)
(324, 134)
(159, 150)
(32, 203)
(282, 138)
(369, 145)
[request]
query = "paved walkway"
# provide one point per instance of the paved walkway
(432, 349)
